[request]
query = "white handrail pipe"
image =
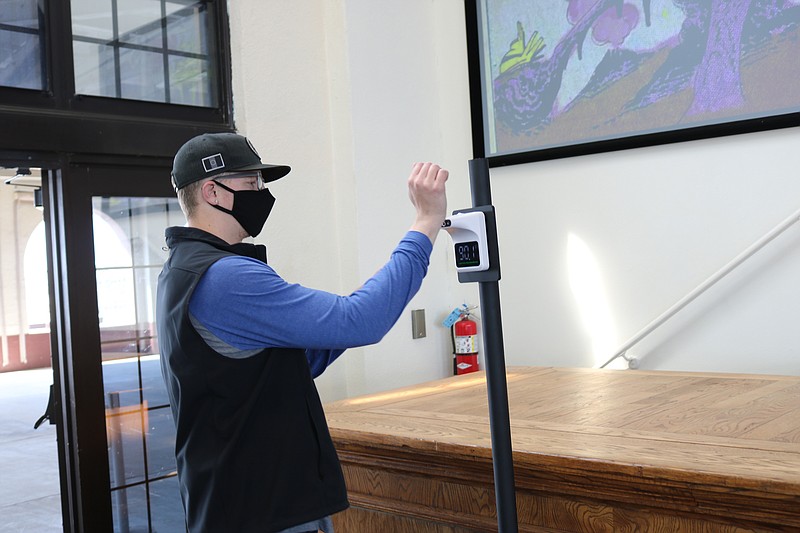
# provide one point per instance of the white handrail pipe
(707, 284)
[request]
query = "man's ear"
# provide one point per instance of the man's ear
(208, 191)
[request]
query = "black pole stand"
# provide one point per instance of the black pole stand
(494, 353)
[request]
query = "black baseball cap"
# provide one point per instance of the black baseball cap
(212, 154)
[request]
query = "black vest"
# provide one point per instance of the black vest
(253, 449)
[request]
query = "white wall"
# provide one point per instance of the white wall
(658, 221)
(351, 93)
(18, 219)
(281, 102)
(339, 92)
(400, 65)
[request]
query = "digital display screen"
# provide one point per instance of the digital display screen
(467, 254)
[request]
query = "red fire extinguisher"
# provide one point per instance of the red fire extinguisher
(466, 344)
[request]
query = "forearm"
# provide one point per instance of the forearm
(365, 316)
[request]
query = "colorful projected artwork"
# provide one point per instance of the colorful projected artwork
(564, 72)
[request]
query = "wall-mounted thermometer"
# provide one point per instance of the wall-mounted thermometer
(468, 231)
(474, 243)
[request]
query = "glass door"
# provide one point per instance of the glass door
(128, 255)
(110, 228)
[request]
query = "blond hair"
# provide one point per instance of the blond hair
(187, 197)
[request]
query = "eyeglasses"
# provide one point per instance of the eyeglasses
(254, 178)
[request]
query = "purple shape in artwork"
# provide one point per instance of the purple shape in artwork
(717, 83)
(613, 26)
(577, 9)
(613, 29)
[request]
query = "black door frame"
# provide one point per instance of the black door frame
(75, 338)
(92, 146)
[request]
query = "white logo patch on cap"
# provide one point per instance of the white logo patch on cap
(213, 162)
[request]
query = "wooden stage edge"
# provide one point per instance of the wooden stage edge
(594, 451)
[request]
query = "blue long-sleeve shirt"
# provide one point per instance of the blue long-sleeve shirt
(242, 306)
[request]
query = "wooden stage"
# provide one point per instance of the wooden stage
(594, 451)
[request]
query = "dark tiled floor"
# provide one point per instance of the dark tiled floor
(30, 500)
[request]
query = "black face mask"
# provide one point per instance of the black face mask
(250, 208)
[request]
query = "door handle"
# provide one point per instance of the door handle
(47, 412)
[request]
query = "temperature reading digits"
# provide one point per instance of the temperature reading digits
(468, 231)
(467, 254)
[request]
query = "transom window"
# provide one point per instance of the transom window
(22, 44)
(150, 50)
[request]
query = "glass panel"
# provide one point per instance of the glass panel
(175, 217)
(147, 231)
(129, 509)
(92, 18)
(140, 22)
(129, 242)
(190, 81)
(116, 314)
(95, 71)
(161, 438)
(156, 51)
(154, 391)
(21, 34)
(164, 499)
(142, 75)
(24, 13)
(186, 29)
(125, 448)
(121, 383)
(145, 280)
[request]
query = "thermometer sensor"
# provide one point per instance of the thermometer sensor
(474, 235)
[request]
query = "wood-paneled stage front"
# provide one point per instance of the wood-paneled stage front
(594, 451)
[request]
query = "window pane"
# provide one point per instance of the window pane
(145, 280)
(140, 22)
(190, 82)
(121, 383)
(24, 13)
(157, 51)
(125, 444)
(115, 301)
(187, 30)
(129, 509)
(94, 69)
(147, 230)
(161, 443)
(165, 498)
(22, 56)
(154, 391)
(92, 18)
(142, 75)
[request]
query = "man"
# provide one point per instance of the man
(240, 346)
